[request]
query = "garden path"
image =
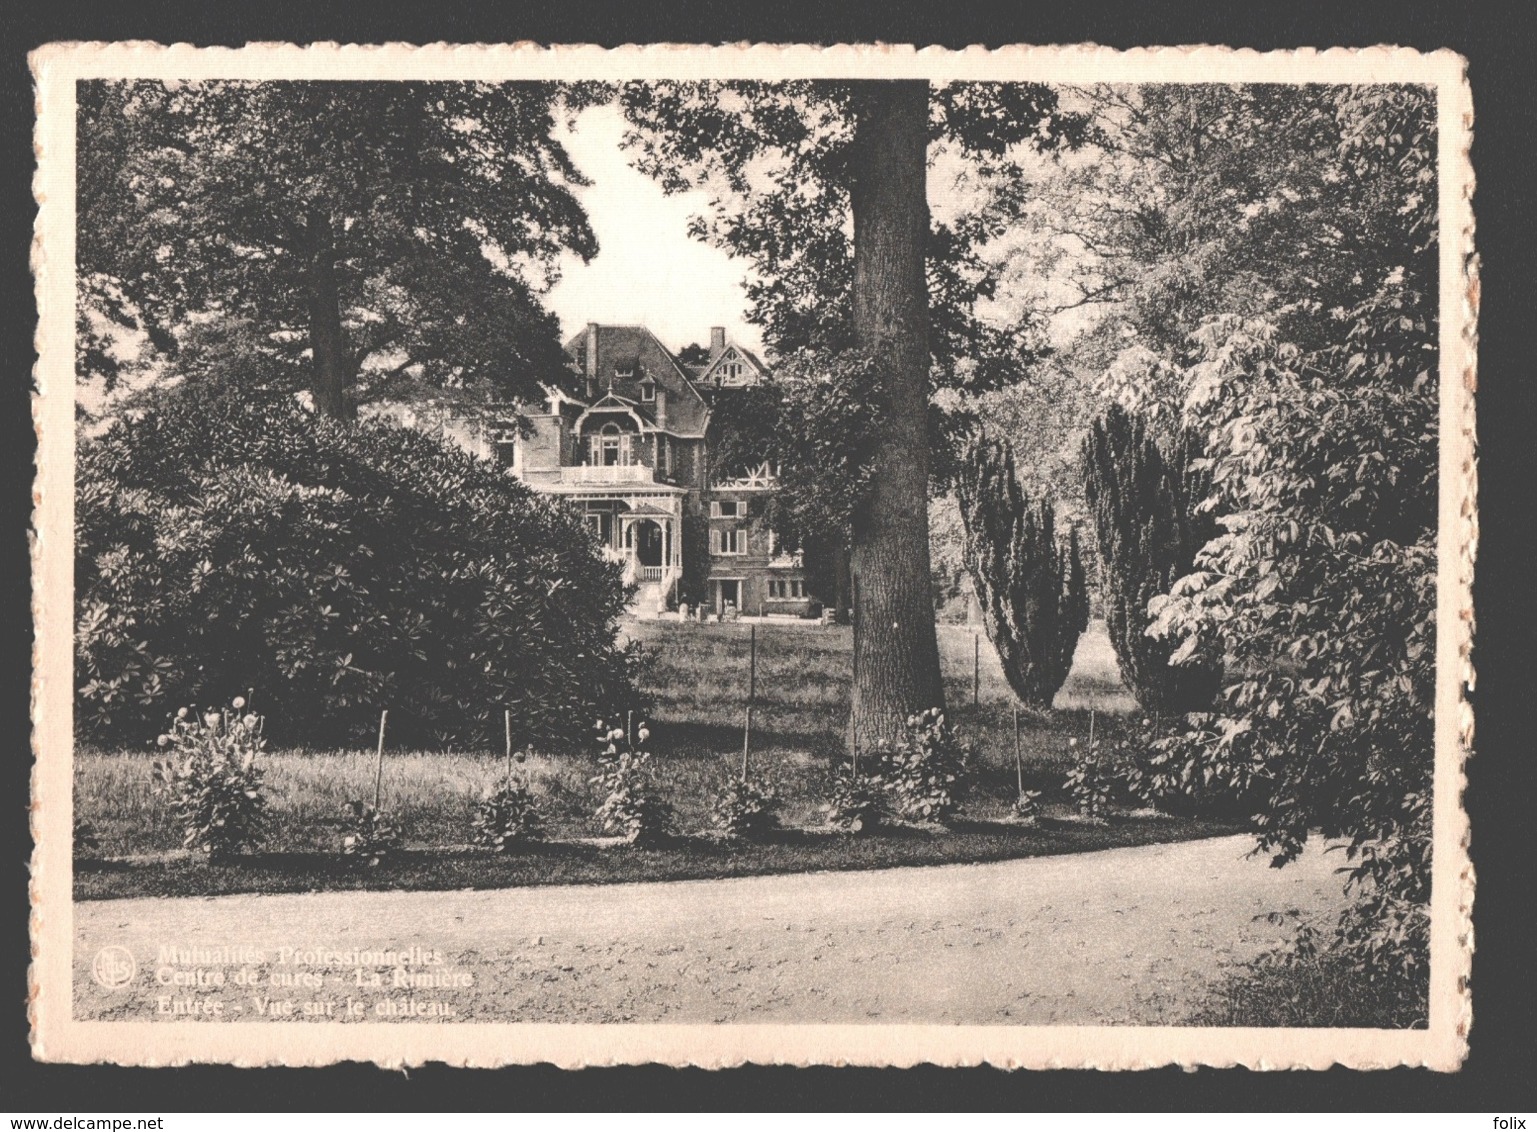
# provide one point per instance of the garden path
(1118, 936)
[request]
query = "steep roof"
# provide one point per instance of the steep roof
(732, 353)
(626, 357)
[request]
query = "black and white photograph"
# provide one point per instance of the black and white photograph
(580, 556)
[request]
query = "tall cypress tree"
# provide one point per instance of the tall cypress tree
(1144, 502)
(1031, 587)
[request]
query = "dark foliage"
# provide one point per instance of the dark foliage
(747, 811)
(1321, 589)
(369, 835)
(1144, 504)
(694, 585)
(856, 805)
(1031, 587)
(925, 772)
(346, 221)
(1312, 981)
(232, 542)
(508, 815)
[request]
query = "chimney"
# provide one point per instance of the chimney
(591, 353)
(661, 407)
(717, 341)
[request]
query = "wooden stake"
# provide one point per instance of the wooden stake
(1091, 729)
(746, 741)
(853, 744)
(752, 665)
(507, 727)
(976, 668)
(379, 770)
(629, 729)
(1019, 766)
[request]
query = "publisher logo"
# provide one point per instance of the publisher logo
(113, 967)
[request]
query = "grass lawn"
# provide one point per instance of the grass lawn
(698, 675)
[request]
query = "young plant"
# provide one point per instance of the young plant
(1027, 807)
(1144, 769)
(747, 811)
(368, 834)
(856, 805)
(1091, 780)
(925, 773)
(630, 807)
(212, 781)
(508, 816)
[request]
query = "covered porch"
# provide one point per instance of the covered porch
(643, 532)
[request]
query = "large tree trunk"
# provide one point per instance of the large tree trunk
(896, 655)
(334, 370)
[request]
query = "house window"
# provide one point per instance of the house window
(609, 447)
(624, 369)
(786, 589)
(728, 509)
(733, 541)
(648, 391)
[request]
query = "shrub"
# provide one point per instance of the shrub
(1032, 589)
(1090, 782)
(856, 805)
(507, 816)
(1027, 807)
(368, 833)
(337, 568)
(630, 806)
(1144, 501)
(925, 771)
(212, 781)
(747, 811)
(1312, 981)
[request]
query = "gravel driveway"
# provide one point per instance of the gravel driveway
(1119, 936)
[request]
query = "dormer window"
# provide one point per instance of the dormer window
(624, 370)
(648, 390)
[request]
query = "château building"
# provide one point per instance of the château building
(632, 454)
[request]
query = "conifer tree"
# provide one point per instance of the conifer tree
(1144, 506)
(1031, 587)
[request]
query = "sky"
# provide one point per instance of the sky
(648, 271)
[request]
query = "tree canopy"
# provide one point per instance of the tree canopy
(398, 233)
(230, 540)
(1259, 264)
(822, 187)
(778, 161)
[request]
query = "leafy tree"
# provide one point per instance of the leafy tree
(227, 539)
(1032, 589)
(396, 232)
(822, 187)
(1320, 588)
(693, 355)
(1144, 507)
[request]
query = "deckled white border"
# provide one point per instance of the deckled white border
(58, 1037)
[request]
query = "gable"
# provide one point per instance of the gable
(734, 366)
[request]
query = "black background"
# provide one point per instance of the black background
(1499, 44)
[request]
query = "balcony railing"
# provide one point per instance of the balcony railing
(606, 473)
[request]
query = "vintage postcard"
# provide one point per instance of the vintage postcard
(762, 554)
